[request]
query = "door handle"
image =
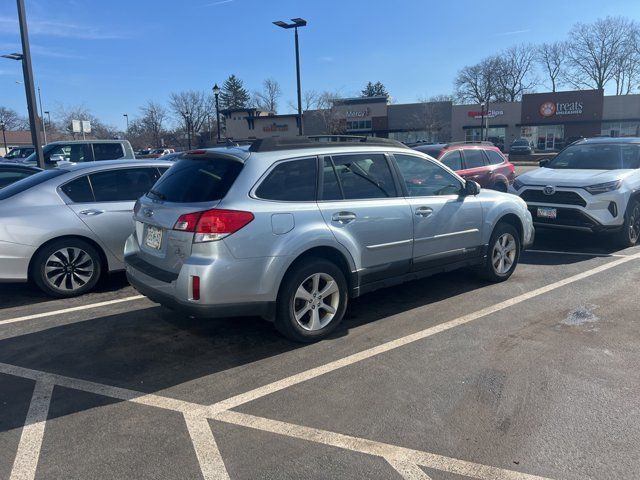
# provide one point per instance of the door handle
(344, 217)
(91, 212)
(424, 211)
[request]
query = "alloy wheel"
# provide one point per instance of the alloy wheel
(316, 301)
(69, 269)
(634, 225)
(504, 252)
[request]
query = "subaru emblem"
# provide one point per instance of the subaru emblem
(147, 212)
(549, 190)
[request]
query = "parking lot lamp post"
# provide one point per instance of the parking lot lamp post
(4, 137)
(187, 117)
(481, 119)
(126, 116)
(216, 94)
(44, 127)
(297, 22)
(25, 58)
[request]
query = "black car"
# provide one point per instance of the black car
(12, 172)
(19, 153)
(521, 146)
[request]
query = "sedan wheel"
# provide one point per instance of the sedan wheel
(504, 253)
(69, 269)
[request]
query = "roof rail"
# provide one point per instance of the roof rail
(472, 142)
(312, 141)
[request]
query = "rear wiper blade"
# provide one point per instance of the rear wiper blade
(161, 196)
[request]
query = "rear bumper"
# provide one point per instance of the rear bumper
(14, 261)
(260, 309)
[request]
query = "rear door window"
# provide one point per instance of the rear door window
(29, 182)
(474, 158)
(7, 177)
(74, 152)
(494, 157)
(364, 176)
(292, 181)
(193, 181)
(107, 151)
(78, 190)
(123, 185)
(453, 160)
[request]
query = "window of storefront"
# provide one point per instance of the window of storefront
(496, 135)
(417, 136)
(545, 137)
(359, 125)
(621, 129)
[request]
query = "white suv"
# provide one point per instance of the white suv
(592, 185)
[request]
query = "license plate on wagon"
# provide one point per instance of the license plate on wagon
(153, 237)
(544, 212)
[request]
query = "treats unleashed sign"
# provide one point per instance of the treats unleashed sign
(549, 109)
(558, 107)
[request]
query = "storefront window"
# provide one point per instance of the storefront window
(621, 129)
(545, 137)
(495, 135)
(417, 136)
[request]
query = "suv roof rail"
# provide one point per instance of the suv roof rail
(472, 142)
(312, 141)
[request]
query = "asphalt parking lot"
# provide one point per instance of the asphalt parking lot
(444, 378)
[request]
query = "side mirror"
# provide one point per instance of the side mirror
(56, 159)
(544, 162)
(471, 188)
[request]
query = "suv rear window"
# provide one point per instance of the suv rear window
(107, 151)
(293, 180)
(193, 181)
(26, 183)
(494, 157)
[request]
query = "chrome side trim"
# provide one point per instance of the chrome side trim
(390, 244)
(445, 235)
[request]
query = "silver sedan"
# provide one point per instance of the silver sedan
(63, 228)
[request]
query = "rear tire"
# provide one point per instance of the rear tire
(502, 255)
(66, 268)
(501, 187)
(312, 300)
(630, 233)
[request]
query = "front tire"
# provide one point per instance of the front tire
(312, 300)
(502, 255)
(630, 233)
(67, 268)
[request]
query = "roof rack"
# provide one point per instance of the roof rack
(312, 141)
(472, 142)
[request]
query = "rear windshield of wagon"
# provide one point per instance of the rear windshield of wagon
(197, 180)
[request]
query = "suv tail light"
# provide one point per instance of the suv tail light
(212, 225)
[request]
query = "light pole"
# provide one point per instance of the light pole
(297, 22)
(481, 119)
(126, 115)
(187, 117)
(27, 71)
(48, 114)
(216, 94)
(4, 137)
(44, 128)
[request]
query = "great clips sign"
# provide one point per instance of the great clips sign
(562, 107)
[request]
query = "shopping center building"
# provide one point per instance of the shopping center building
(548, 120)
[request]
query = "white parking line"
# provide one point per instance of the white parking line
(581, 254)
(387, 451)
(211, 463)
(24, 466)
(278, 385)
(408, 470)
(71, 309)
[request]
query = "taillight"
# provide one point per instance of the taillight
(195, 287)
(212, 225)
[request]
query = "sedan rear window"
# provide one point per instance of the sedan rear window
(193, 181)
(26, 183)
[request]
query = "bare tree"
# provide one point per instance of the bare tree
(268, 98)
(152, 121)
(552, 57)
(627, 68)
(477, 83)
(11, 120)
(191, 108)
(514, 72)
(99, 129)
(594, 51)
(333, 122)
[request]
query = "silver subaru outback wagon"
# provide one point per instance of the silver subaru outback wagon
(291, 229)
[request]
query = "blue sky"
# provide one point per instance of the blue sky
(112, 56)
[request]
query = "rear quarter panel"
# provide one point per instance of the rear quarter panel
(496, 205)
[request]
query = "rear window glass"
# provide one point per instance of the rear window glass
(473, 158)
(290, 181)
(26, 183)
(107, 151)
(192, 181)
(494, 157)
(453, 160)
(78, 190)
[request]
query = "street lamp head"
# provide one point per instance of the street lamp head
(299, 22)
(216, 90)
(13, 56)
(281, 24)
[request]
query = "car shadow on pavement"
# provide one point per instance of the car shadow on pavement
(155, 349)
(27, 293)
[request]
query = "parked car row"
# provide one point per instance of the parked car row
(290, 229)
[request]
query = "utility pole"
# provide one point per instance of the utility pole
(44, 128)
(28, 83)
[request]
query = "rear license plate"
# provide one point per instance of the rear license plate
(153, 237)
(551, 213)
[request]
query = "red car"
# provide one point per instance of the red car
(481, 162)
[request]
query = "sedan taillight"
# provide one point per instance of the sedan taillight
(212, 225)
